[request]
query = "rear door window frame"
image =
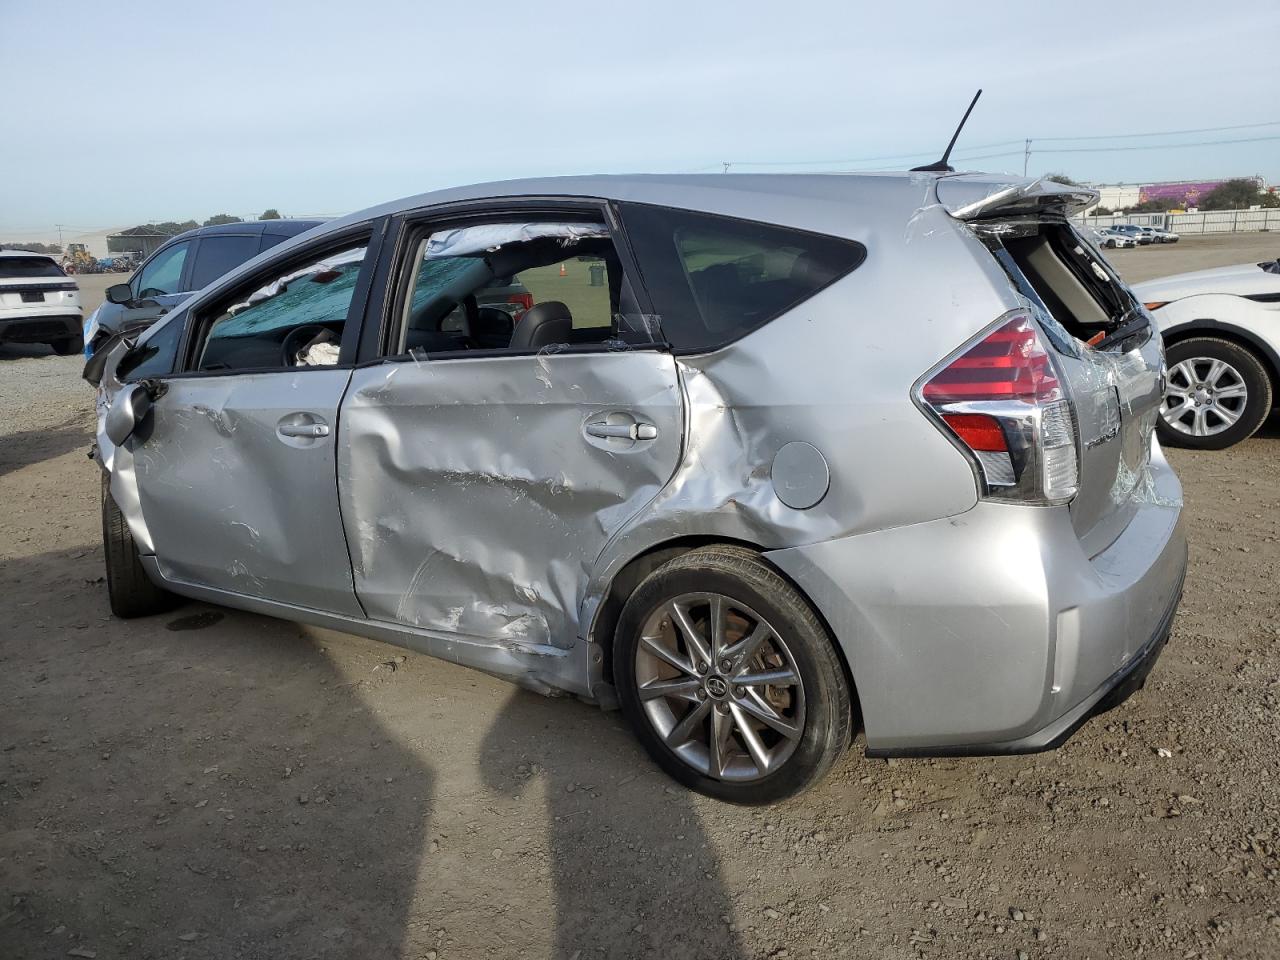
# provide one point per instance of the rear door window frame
(398, 267)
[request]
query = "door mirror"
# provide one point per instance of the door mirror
(128, 409)
(120, 293)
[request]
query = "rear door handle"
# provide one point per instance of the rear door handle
(306, 426)
(313, 431)
(623, 431)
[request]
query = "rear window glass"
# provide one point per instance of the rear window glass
(714, 279)
(12, 268)
(218, 255)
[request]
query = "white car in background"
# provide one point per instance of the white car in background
(39, 303)
(1110, 237)
(1221, 331)
(1159, 235)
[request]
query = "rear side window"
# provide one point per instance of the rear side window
(714, 279)
(218, 255)
(15, 268)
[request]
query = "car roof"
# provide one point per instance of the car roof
(833, 203)
(26, 253)
(253, 228)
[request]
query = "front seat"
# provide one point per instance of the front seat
(547, 323)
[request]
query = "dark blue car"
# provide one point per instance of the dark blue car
(185, 264)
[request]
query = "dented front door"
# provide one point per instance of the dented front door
(237, 483)
(477, 493)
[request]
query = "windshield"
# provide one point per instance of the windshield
(12, 268)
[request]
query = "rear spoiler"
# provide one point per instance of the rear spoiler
(977, 196)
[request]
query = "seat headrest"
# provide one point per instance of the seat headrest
(548, 322)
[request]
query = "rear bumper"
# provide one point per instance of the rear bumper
(1117, 688)
(39, 327)
(993, 631)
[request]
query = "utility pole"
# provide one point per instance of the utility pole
(727, 164)
(1026, 155)
(59, 226)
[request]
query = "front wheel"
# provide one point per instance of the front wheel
(130, 590)
(1218, 393)
(729, 679)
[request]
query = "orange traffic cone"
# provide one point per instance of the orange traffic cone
(563, 271)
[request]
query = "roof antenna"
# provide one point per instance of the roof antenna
(942, 166)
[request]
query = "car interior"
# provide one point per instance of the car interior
(452, 307)
(282, 323)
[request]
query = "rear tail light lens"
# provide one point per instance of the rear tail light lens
(1001, 398)
(523, 302)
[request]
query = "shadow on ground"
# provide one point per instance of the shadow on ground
(24, 351)
(181, 804)
(622, 888)
(26, 447)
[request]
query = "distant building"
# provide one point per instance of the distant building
(136, 240)
(1185, 193)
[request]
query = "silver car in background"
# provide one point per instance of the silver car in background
(766, 459)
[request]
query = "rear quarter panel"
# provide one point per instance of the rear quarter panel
(836, 372)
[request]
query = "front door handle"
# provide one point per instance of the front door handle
(623, 431)
(312, 430)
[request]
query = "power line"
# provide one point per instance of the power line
(1160, 133)
(1028, 149)
(894, 156)
(1155, 146)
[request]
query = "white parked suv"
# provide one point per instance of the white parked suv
(1221, 332)
(39, 303)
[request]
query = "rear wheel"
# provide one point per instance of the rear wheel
(1218, 394)
(729, 679)
(130, 590)
(68, 345)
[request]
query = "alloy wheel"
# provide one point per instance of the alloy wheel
(1204, 396)
(719, 686)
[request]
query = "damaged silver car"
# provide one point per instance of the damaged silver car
(761, 459)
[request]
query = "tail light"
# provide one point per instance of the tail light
(523, 303)
(1000, 397)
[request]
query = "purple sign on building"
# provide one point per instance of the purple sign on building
(1187, 194)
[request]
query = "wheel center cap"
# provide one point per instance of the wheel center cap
(716, 687)
(1204, 396)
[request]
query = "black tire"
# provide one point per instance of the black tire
(742, 576)
(1258, 392)
(68, 345)
(1111, 244)
(130, 590)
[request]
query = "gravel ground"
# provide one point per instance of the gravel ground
(211, 784)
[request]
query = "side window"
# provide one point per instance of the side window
(292, 319)
(218, 255)
(164, 273)
(714, 279)
(520, 286)
(155, 354)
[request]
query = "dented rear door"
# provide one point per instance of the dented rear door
(478, 492)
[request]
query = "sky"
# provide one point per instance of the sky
(135, 111)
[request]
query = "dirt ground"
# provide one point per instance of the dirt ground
(212, 784)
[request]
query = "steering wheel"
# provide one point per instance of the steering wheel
(296, 338)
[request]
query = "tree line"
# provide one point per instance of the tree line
(171, 228)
